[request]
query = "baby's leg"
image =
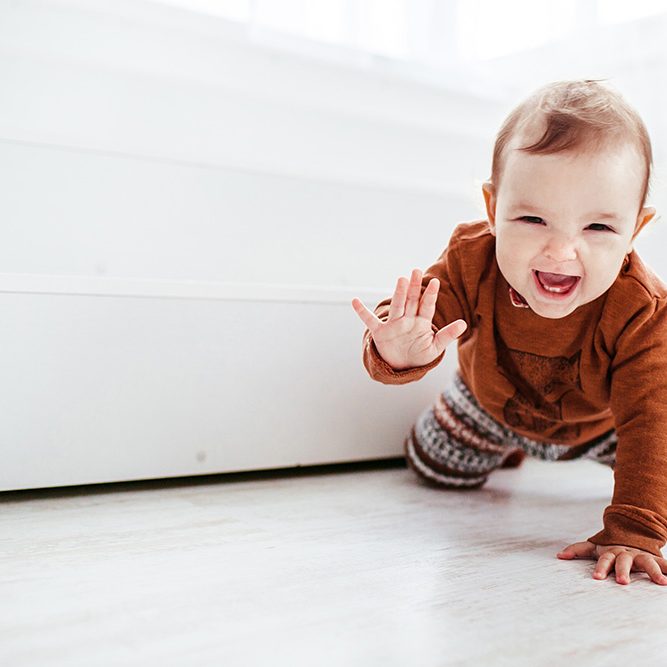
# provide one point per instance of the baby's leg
(601, 449)
(514, 459)
(454, 445)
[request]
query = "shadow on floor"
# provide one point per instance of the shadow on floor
(220, 478)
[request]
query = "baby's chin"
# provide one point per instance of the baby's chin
(553, 312)
(558, 310)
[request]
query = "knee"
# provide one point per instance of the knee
(437, 474)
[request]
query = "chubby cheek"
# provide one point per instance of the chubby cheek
(515, 253)
(601, 272)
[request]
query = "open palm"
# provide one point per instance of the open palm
(406, 339)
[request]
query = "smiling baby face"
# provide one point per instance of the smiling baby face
(564, 222)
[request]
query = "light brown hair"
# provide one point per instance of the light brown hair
(575, 115)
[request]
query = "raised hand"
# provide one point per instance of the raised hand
(406, 339)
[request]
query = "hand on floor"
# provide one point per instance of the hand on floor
(622, 559)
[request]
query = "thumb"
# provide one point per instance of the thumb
(579, 550)
(448, 334)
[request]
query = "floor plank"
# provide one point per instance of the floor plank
(365, 567)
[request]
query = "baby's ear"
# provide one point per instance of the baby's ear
(489, 192)
(645, 216)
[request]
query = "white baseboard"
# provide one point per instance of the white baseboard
(102, 387)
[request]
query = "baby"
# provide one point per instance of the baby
(561, 329)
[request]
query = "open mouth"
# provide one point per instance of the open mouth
(555, 285)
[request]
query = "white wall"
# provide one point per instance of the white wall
(143, 148)
(160, 149)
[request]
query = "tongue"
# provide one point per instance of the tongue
(557, 279)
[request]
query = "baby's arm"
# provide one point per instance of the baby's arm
(637, 515)
(635, 523)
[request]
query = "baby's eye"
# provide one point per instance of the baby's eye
(531, 218)
(604, 228)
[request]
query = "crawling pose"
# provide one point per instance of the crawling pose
(561, 329)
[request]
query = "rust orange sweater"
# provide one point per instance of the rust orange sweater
(563, 380)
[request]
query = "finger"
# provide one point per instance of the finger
(414, 292)
(397, 306)
(429, 299)
(622, 567)
(371, 320)
(651, 567)
(448, 334)
(604, 565)
(578, 550)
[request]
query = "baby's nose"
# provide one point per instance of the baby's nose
(561, 249)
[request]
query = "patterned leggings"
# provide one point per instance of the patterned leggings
(455, 443)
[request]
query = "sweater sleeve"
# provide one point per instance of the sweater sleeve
(451, 305)
(637, 515)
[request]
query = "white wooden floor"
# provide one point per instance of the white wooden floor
(362, 567)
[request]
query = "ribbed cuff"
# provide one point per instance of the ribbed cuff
(626, 531)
